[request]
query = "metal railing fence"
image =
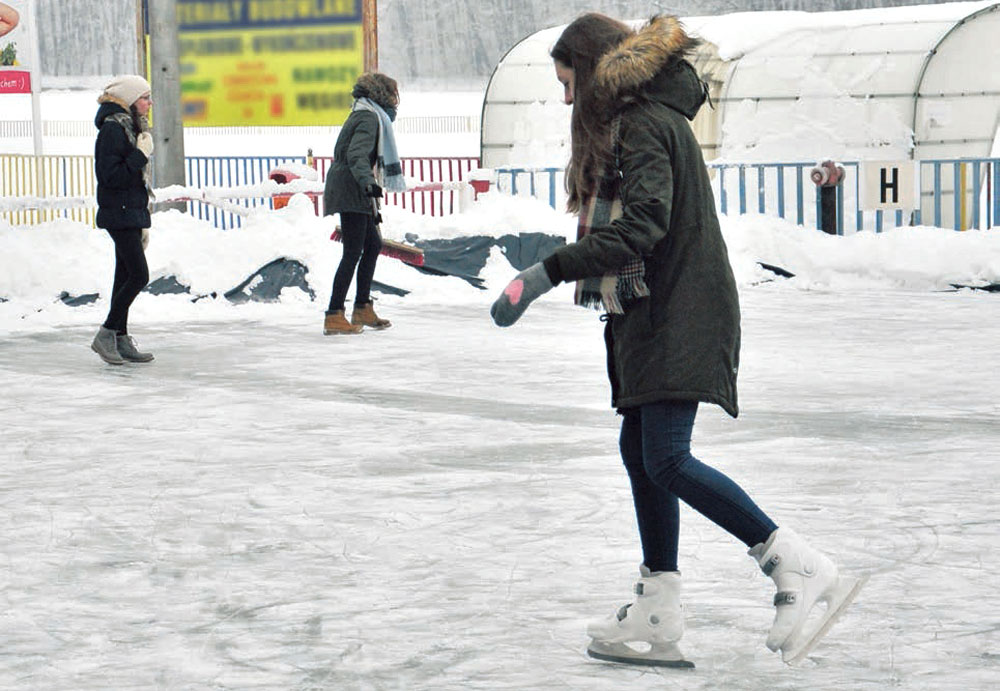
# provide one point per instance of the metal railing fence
(73, 176)
(954, 193)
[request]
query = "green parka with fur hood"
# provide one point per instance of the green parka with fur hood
(683, 341)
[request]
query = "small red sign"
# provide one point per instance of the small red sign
(15, 82)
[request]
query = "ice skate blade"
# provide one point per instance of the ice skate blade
(847, 589)
(659, 655)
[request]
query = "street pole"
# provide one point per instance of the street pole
(164, 70)
(369, 27)
(140, 38)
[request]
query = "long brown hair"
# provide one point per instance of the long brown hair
(580, 46)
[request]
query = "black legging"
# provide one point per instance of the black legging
(131, 276)
(361, 242)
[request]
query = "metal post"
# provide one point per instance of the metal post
(800, 211)
(140, 38)
(723, 198)
(369, 28)
(761, 205)
(168, 129)
(781, 190)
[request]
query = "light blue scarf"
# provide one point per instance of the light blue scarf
(388, 169)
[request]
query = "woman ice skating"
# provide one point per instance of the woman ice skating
(365, 162)
(121, 161)
(650, 252)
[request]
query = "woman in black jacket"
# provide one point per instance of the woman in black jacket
(121, 161)
(364, 162)
(650, 251)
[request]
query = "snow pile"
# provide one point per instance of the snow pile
(917, 258)
(41, 262)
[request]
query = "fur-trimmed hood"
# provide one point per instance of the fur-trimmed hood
(650, 65)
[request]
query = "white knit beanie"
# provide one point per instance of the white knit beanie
(127, 88)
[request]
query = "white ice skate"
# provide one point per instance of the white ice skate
(805, 578)
(644, 632)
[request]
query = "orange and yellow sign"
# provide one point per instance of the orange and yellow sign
(268, 62)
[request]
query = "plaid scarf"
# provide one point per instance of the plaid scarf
(388, 168)
(614, 291)
(125, 120)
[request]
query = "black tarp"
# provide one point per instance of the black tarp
(465, 257)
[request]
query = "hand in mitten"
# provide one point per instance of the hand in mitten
(520, 293)
(145, 238)
(144, 143)
(373, 190)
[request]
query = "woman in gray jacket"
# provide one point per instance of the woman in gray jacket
(364, 161)
(650, 251)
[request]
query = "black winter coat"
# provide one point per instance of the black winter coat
(683, 341)
(353, 165)
(122, 199)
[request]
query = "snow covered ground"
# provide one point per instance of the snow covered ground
(441, 505)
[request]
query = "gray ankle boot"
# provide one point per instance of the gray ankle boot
(105, 345)
(127, 349)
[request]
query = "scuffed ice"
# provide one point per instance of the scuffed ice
(441, 505)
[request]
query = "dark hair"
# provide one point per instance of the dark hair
(580, 47)
(140, 123)
(378, 87)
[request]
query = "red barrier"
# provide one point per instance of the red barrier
(423, 198)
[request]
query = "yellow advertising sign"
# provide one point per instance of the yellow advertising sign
(268, 62)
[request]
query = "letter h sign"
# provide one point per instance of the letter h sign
(888, 185)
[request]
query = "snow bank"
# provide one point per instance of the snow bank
(40, 262)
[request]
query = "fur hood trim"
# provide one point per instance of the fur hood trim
(641, 56)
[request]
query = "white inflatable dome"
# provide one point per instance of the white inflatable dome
(919, 82)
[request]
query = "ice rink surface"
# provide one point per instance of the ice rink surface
(441, 505)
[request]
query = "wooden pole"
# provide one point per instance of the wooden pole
(164, 68)
(369, 27)
(140, 39)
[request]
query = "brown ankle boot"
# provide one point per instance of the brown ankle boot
(336, 323)
(364, 315)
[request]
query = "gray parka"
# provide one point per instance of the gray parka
(351, 172)
(683, 341)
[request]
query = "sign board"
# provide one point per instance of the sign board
(888, 185)
(268, 62)
(16, 49)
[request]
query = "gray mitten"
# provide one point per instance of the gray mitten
(520, 293)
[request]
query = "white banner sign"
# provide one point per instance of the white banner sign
(888, 185)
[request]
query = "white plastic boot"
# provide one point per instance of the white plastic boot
(646, 631)
(805, 578)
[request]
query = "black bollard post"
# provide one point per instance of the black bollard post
(827, 176)
(828, 208)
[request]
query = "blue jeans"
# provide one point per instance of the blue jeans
(656, 448)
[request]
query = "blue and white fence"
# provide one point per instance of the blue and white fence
(954, 193)
(785, 190)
